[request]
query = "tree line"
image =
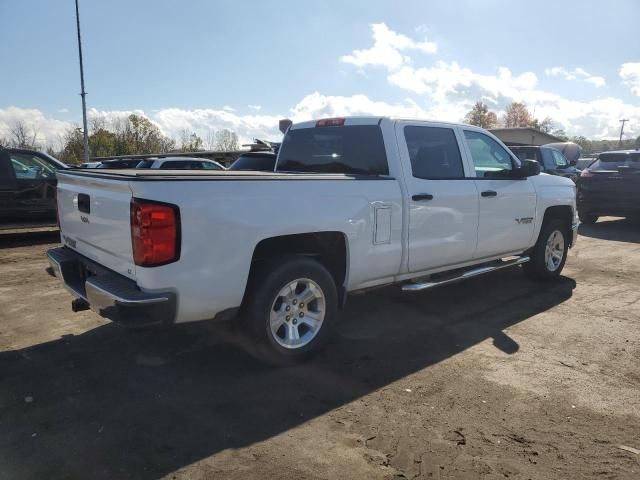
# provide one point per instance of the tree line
(136, 134)
(518, 115)
(130, 135)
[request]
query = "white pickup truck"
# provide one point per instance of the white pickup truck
(354, 203)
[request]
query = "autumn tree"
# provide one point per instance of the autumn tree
(480, 116)
(517, 115)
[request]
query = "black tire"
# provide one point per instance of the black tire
(538, 267)
(587, 218)
(266, 282)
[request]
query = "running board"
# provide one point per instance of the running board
(416, 287)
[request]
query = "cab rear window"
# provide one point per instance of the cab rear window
(354, 149)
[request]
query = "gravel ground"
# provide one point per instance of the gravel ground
(498, 377)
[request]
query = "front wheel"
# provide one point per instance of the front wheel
(290, 308)
(549, 254)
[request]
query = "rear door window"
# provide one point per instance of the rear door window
(434, 153)
(613, 161)
(353, 149)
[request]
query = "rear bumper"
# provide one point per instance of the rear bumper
(109, 294)
(601, 209)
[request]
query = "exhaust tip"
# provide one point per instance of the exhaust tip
(79, 304)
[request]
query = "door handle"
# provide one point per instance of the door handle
(489, 193)
(422, 196)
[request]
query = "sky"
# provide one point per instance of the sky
(206, 65)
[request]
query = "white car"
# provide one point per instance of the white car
(180, 163)
(354, 203)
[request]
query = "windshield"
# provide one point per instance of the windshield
(613, 161)
(263, 163)
(355, 149)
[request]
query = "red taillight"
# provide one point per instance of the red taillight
(155, 234)
(586, 173)
(330, 122)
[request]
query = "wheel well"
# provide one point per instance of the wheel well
(329, 248)
(562, 212)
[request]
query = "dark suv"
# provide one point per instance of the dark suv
(551, 161)
(27, 187)
(610, 186)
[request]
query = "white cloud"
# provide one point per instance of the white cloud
(255, 108)
(630, 75)
(448, 90)
(228, 108)
(577, 73)
(49, 131)
(387, 48)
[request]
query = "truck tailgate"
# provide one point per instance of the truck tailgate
(95, 219)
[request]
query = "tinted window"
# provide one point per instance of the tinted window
(263, 163)
(31, 167)
(490, 159)
(181, 165)
(613, 161)
(434, 152)
(356, 149)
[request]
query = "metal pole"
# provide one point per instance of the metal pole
(83, 93)
(623, 121)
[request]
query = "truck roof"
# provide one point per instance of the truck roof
(370, 120)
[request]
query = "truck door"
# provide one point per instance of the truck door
(34, 195)
(443, 204)
(507, 204)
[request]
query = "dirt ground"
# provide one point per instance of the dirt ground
(495, 378)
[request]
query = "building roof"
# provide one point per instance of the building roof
(524, 136)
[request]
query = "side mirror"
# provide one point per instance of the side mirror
(528, 168)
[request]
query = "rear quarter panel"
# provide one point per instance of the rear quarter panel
(223, 221)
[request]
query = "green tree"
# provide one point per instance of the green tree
(480, 116)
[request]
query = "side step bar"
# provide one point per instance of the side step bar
(416, 287)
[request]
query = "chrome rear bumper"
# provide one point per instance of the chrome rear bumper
(110, 294)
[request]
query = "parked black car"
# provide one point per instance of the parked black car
(551, 161)
(27, 186)
(260, 161)
(610, 187)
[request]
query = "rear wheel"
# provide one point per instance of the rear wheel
(289, 310)
(549, 254)
(587, 218)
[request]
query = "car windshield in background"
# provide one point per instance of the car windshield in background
(354, 149)
(145, 163)
(263, 163)
(524, 153)
(613, 161)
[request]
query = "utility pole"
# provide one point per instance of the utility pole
(623, 121)
(83, 93)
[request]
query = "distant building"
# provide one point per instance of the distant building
(524, 136)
